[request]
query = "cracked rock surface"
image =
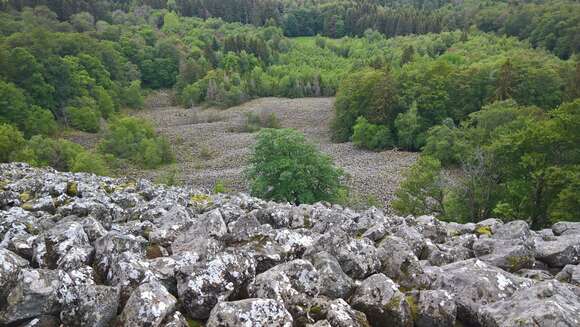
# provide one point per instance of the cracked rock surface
(83, 250)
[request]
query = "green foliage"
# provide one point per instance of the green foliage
(256, 121)
(410, 130)
(285, 167)
(371, 136)
(422, 191)
(11, 141)
(135, 140)
(62, 155)
(370, 94)
(89, 162)
(84, 115)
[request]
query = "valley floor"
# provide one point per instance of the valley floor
(210, 145)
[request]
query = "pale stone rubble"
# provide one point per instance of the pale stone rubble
(83, 250)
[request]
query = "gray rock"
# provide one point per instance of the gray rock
(294, 283)
(548, 303)
(508, 254)
(93, 228)
(558, 251)
(108, 247)
(170, 225)
(535, 274)
(358, 258)
(42, 321)
(10, 266)
(566, 228)
(395, 256)
(250, 312)
(94, 306)
(456, 229)
(340, 314)
(148, 305)
(334, 283)
(513, 230)
(431, 228)
(177, 319)
(411, 236)
(491, 224)
(203, 285)
(65, 246)
(37, 292)
(382, 302)
(570, 274)
(473, 283)
(435, 309)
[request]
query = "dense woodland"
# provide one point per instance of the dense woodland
(488, 88)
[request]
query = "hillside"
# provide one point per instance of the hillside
(83, 250)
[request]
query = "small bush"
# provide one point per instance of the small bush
(285, 167)
(84, 115)
(89, 162)
(255, 122)
(39, 121)
(62, 155)
(371, 136)
(422, 190)
(135, 140)
(11, 141)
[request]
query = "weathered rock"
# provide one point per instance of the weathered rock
(558, 251)
(570, 274)
(395, 256)
(382, 302)
(148, 305)
(250, 313)
(473, 283)
(534, 274)
(293, 283)
(93, 305)
(566, 228)
(65, 246)
(358, 258)
(175, 320)
(36, 292)
(508, 254)
(513, 230)
(411, 236)
(435, 309)
(340, 314)
(432, 229)
(168, 226)
(548, 303)
(42, 321)
(108, 247)
(10, 266)
(334, 283)
(203, 285)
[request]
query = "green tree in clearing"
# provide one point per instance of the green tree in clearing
(285, 167)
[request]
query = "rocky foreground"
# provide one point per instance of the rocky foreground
(82, 250)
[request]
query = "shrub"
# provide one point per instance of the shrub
(62, 155)
(132, 96)
(39, 121)
(254, 122)
(445, 143)
(11, 141)
(89, 162)
(285, 167)
(371, 136)
(422, 190)
(135, 140)
(83, 114)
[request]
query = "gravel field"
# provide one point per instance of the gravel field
(209, 146)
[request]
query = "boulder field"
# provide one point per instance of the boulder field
(84, 250)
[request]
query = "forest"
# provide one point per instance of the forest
(489, 89)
